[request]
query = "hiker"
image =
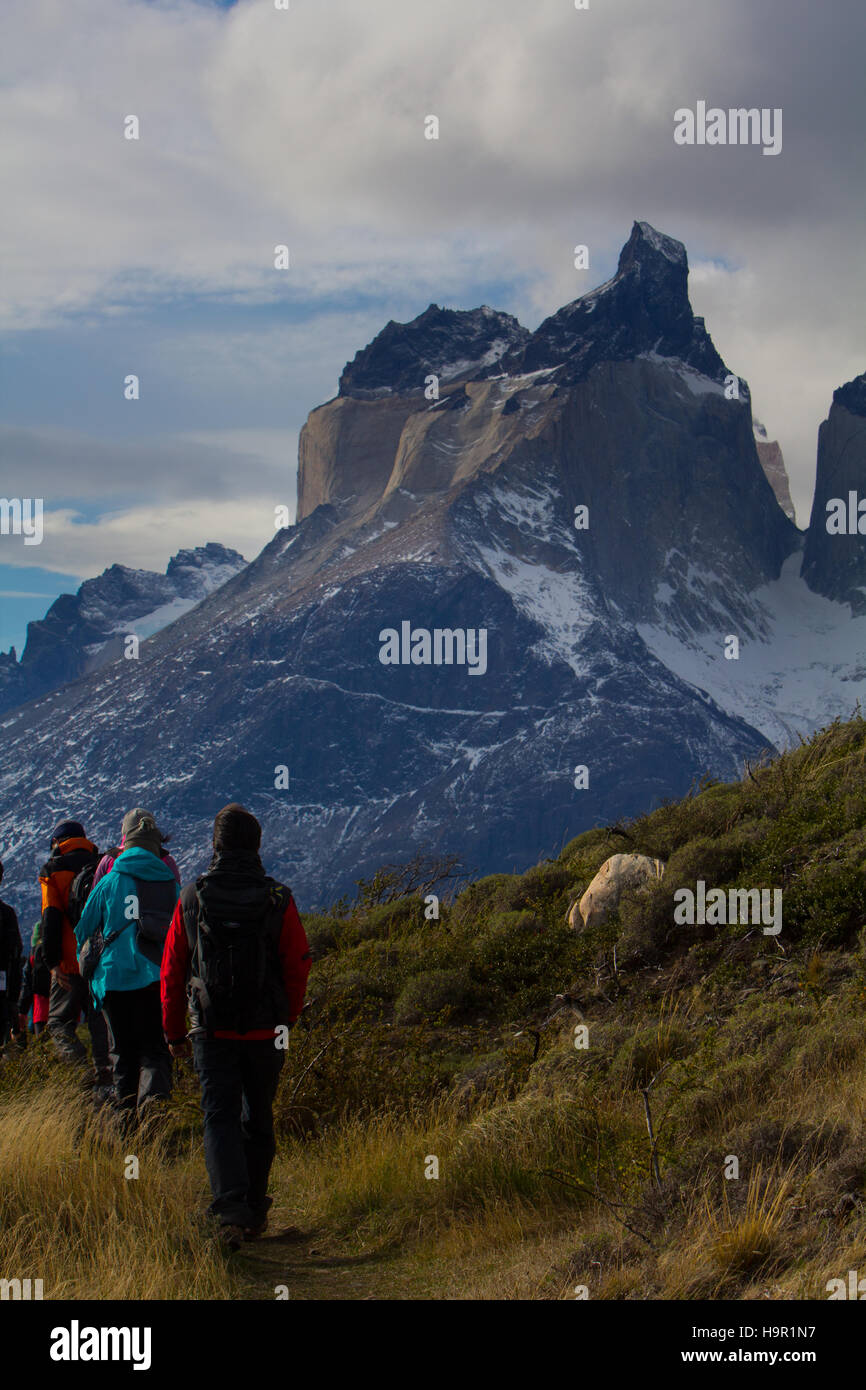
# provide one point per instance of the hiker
(10, 969)
(126, 920)
(238, 954)
(105, 863)
(66, 881)
(35, 986)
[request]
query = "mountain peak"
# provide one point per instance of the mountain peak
(450, 343)
(205, 557)
(646, 245)
(644, 308)
(852, 395)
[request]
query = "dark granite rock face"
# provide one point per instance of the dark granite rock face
(644, 308)
(852, 396)
(449, 343)
(834, 560)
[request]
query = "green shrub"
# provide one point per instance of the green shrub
(646, 922)
(518, 963)
(434, 994)
(717, 862)
(385, 920)
(475, 900)
(644, 1054)
(322, 934)
(828, 901)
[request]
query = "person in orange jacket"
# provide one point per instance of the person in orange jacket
(237, 956)
(71, 852)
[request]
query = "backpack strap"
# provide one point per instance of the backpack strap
(193, 895)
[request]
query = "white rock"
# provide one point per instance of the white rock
(602, 897)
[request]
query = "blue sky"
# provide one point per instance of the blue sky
(306, 127)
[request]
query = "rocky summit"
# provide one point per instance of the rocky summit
(550, 589)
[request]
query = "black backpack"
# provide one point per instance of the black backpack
(80, 889)
(157, 899)
(236, 983)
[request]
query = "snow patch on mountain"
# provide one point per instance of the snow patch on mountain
(698, 382)
(559, 603)
(808, 669)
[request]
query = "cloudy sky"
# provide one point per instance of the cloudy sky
(306, 127)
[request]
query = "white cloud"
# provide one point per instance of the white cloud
(144, 537)
(60, 464)
(261, 126)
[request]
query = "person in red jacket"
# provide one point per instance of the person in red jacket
(236, 957)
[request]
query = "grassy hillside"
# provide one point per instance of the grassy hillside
(454, 1040)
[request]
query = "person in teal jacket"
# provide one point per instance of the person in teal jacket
(136, 900)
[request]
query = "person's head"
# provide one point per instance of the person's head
(235, 828)
(140, 831)
(67, 830)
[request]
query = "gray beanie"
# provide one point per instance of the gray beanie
(140, 831)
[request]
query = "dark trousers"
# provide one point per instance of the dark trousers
(8, 1016)
(238, 1085)
(142, 1061)
(64, 1009)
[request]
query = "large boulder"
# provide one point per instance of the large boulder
(616, 875)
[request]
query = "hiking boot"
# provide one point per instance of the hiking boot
(253, 1232)
(230, 1237)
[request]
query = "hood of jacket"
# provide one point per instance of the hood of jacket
(141, 863)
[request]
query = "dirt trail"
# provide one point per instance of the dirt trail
(313, 1268)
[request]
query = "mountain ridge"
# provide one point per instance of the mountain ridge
(606, 642)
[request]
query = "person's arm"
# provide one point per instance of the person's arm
(167, 860)
(102, 869)
(52, 922)
(295, 960)
(173, 973)
(25, 996)
(92, 916)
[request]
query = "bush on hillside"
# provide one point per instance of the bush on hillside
(434, 994)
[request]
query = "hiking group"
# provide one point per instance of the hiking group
(217, 969)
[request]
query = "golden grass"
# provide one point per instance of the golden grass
(492, 1225)
(69, 1216)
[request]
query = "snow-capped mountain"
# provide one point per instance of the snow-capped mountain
(580, 522)
(83, 631)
